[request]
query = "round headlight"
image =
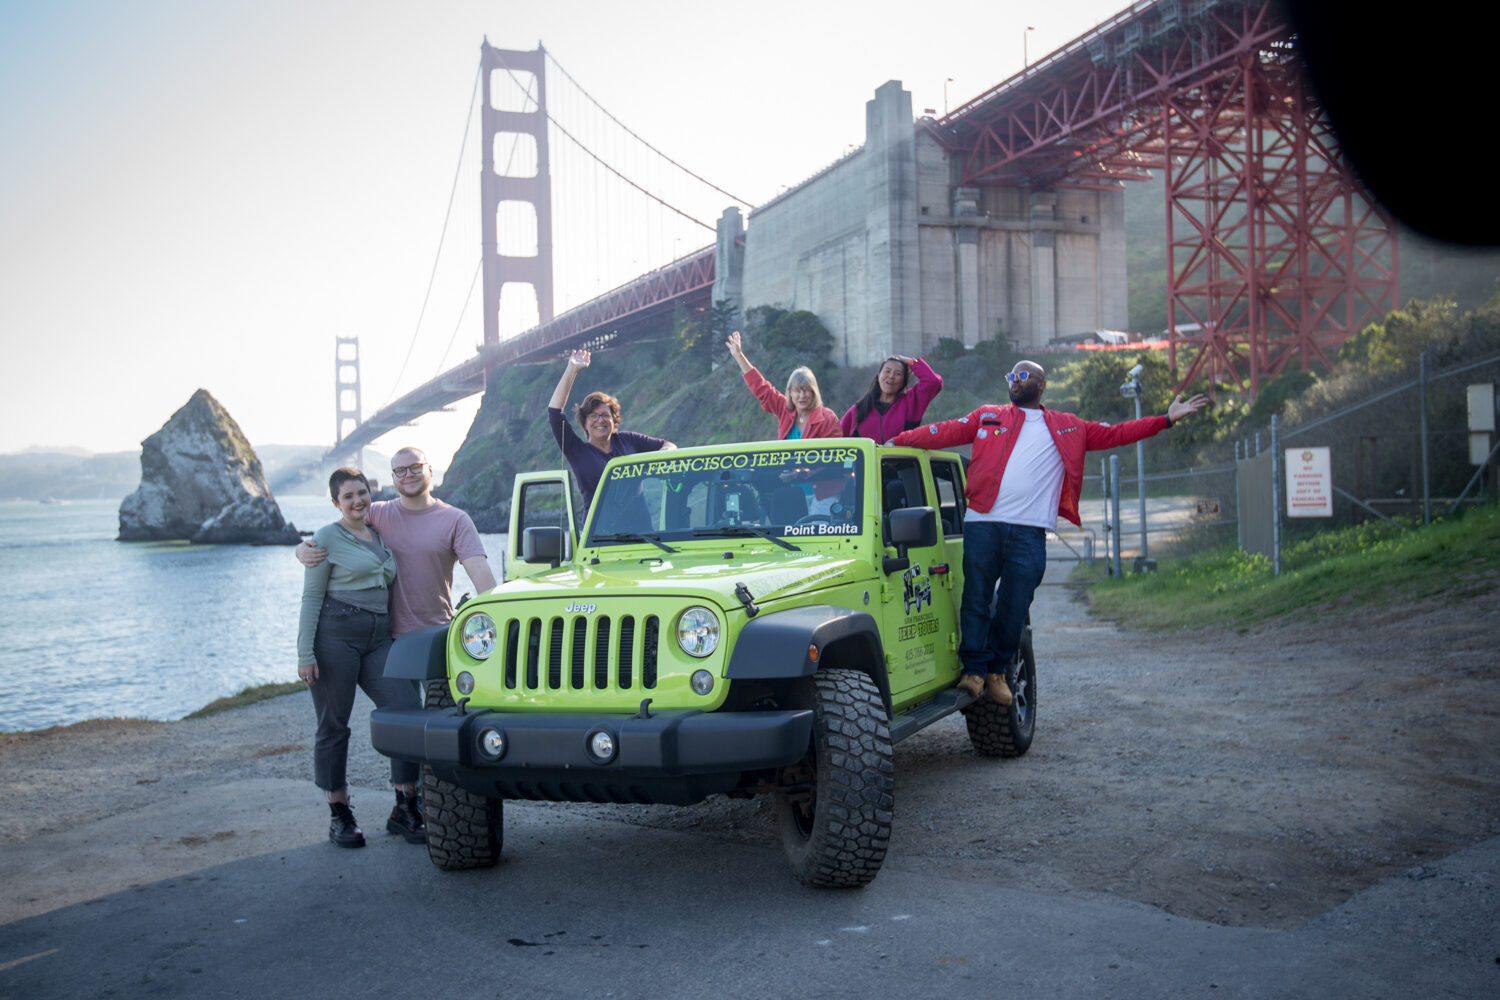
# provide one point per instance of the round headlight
(492, 743)
(464, 682)
(601, 746)
(702, 681)
(698, 632)
(479, 635)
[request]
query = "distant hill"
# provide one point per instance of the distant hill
(74, 474)
(57, 475)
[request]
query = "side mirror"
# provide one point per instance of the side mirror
(910, 526)
(542, 544)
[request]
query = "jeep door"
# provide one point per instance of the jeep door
(538, 499)
(919, 606)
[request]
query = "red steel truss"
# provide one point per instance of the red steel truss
(1273, 250)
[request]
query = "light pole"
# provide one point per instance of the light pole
(1025, 58)
(1131, 389)
(945, 95)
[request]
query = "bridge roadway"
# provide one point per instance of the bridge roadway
(621, 312)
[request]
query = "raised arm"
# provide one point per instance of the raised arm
(733, 343)
(929, 384)
(578, 360)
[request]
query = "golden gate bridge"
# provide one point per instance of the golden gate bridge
(1275, 255)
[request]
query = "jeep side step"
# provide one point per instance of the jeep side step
(917, 719)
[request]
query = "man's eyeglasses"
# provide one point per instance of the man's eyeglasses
(402, 471)
(1014, 377)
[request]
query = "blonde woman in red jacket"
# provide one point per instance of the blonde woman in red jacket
(1026, 469)
(799, 412)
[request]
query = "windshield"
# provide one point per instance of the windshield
(782, 492)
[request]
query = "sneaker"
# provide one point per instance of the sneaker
(971, 685)
(998, 689)
(342, 829)
(406, 820)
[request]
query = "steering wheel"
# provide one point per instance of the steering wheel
(816, 519)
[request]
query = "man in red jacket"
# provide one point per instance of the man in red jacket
(1026, 468)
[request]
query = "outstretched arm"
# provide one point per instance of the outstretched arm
(578, 360)
(1185, 408)
(733, 343)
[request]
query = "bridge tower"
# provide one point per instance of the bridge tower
(346, 391)
(524, 179)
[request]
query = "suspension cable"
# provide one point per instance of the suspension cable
(637, 138)
(600, 160)
(461, 314)
(437, 256)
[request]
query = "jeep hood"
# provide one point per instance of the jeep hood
(704, 576)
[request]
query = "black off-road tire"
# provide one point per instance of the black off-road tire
(836, 808)
(464, 830)
(1006, 730)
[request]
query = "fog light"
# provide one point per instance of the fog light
(492, 743)
(601, 746)
(703, 682)
(465, 682)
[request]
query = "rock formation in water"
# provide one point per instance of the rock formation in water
(200, 480)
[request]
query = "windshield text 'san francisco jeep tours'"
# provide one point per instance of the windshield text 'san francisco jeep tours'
(733, 620)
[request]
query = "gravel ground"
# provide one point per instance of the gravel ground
(1249, 779)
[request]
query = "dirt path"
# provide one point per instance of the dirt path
(1250, 779)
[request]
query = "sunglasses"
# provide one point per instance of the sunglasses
(1014, 377)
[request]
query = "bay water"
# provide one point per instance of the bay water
(95, 628)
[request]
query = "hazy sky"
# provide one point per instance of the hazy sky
(205, 194)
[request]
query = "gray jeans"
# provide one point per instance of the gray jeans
(351, 646)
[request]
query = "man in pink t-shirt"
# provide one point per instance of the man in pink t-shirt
(426, 536)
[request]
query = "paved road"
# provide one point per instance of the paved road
(581, 908)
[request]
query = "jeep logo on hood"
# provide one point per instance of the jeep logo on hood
(578, 608)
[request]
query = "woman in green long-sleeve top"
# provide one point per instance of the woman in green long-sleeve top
(343, 636)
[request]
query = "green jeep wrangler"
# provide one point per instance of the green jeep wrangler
(738, 619)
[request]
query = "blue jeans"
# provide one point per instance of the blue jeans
(351, 646)
(1016, 555)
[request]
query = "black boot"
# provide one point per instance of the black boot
(342, 829)
(406, 820)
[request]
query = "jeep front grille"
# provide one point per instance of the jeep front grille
(560, 653)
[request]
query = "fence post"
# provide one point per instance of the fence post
(1276, 460)
(1426, 480)
(1109, 566)
(1239, 515)
(1114, 510)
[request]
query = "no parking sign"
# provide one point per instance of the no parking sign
(1309, 482)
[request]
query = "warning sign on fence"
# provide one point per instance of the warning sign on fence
(1309, 482)
(1208, 506)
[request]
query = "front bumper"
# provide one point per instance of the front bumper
(670, 756)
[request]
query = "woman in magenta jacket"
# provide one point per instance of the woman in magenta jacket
(893, 404)
(799, 413)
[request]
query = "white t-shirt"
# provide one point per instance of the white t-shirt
(1031, 486)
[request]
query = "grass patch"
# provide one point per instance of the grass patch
(248, 696)
(1370, 564)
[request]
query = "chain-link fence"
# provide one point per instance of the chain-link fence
(1401, 453)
